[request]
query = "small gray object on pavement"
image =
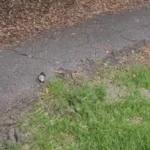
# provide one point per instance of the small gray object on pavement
(41, 77)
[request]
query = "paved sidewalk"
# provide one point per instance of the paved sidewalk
(66, 48)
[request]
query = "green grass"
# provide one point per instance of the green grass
(71, 117)
(135, 75)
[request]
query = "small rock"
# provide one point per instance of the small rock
(132, 51)
(30, 56)
(41, 77)
(73, 34)
(12, 117)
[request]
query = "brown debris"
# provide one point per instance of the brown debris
(144, 56)
(21, 18)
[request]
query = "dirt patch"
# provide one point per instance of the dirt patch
(137, 54)
(136, 120)
(9, 133)
(116, 93)
(144, 56)
(21, 18)
(145, 92)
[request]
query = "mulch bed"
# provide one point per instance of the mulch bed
(21, 18)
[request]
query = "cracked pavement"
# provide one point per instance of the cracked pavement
(20, 65)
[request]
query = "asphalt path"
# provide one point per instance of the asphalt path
(67, 47)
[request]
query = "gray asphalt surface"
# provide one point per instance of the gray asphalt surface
(20, 65)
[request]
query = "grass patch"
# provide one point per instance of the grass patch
(73, 117)
(138, 76)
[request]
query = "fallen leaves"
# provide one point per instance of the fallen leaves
(144, 56)
(21, 18)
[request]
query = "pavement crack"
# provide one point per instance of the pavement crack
(88, 43)
(87, 37)
(128, 39)
(29, 56)
(24, 54)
